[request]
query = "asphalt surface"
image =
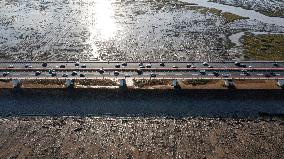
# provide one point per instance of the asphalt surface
(170, 70)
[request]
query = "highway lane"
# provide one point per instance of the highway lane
(57, 64)
(181, 70)
(153, 74)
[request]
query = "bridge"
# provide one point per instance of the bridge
(268, 70)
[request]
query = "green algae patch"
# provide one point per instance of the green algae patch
(264, 47)
(228, 17)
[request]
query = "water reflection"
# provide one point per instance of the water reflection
(103, 25)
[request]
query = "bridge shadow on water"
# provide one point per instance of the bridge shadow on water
(146, 103)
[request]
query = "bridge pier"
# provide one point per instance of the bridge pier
(122, 83)
(229, 83)
(16, 83)
(280, 83)
(69, 83)
(176, 84)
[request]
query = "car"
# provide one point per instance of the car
(37, 73)
(243, 65)
(153, 75)
(202, 72)
(215, 73)
(275, 64)
(188, 66)
(142, 66)
(62, 66)
(205, 64)
(193, 66)
(162, 64)
(53, 74)
(116, 73)
(148, 65)
(5, 74)
(272, 74)
(74, 73)
(101, 71)
(245, 74)
(11, 66)
(226, 75)
(30, 66)
(27, 65)
(65, 75)
(56, 66)
(77, 64)
(44, 64)
(237, 63)
(175, 66)
(82, 75)
(84, 66)
(267, 75)
(117, 66)
(124, 64)
(140, 72)
(50, 71)
(210, 66)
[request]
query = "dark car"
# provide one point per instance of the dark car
(153, 75)
(124, 64)
(237, 63)
(53, 74)
(148, 65)
(267, 75)
(65, 75)
(101, 71)
(74, 73)
(82, 75)
(44, 64)
(216, 74)
(117, 66)
(272, 74)
(5, 74)
(188, 66)
(162, 64)
(77, 64)
(62, 66)
(202, 72)
(84, 66)
(116, 73)
(140, 72)
(37, 73)
(275, 64)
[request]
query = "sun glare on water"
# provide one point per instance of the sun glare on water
(104, 27)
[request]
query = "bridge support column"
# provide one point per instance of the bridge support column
(69, 83)
(16, 83)
(229, 83)
(280, 83)
(176, 84)
(122, 83)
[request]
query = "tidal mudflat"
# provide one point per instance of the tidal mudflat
(124, 30)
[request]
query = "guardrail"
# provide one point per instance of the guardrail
(160, 78)
(139, 61)
(144, 69)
